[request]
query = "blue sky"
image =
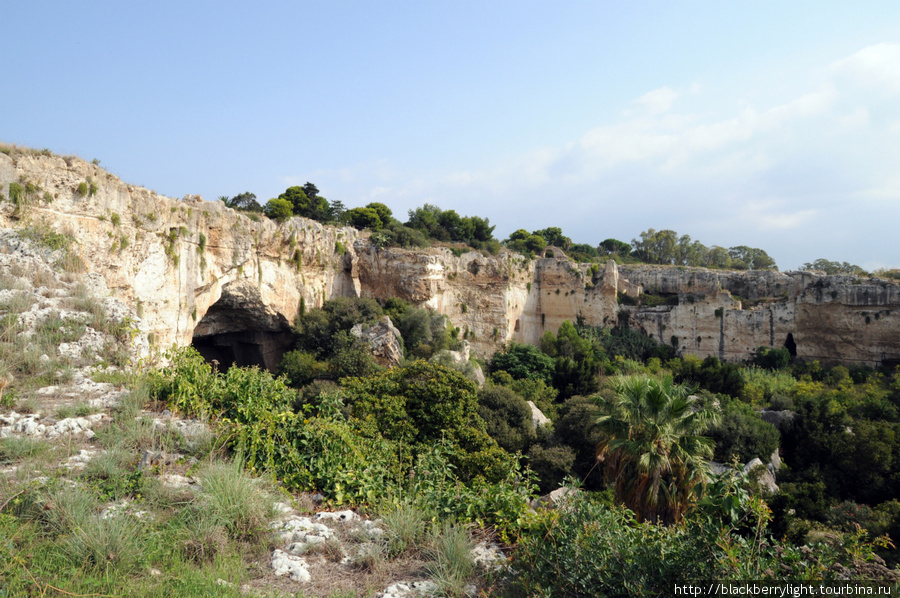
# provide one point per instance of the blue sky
(769, 124)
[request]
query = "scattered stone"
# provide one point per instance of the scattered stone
(173, 480)
(488, 555)
(283, 508)
(288, 564)
(300, 529)
(121, 508)
(766, 479)
(557, 498)
(405, 589)
(80, 460)
(343, 516)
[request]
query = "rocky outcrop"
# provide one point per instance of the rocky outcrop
(192, 269)
(384, 340)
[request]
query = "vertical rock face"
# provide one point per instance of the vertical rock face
(197, 270)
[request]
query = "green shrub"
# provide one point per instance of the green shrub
(300, 368)
(552, 464)
(507, 417)
(95, 543)
(82, 189)
(742, 434)
(524, 361)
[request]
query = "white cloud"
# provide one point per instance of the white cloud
(655, 102)
(877, 66)
(770, 214)
(746, 174)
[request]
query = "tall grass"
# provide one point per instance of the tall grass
(450, 564)
(404, 526)
(230, 495)
(113, 543)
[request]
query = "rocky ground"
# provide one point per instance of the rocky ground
(68, 356)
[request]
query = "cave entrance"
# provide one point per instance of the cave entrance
(240, 330)
(790, 345)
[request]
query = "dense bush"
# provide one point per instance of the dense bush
(524, 361)
(716, 376)
(507, 418)
(742, 434)
(771, 358)
(434, 448)
(424, 331)
(422, 403)
(592, 550)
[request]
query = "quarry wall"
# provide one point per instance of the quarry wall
(192, 268)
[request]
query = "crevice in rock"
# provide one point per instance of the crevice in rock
(790, 345)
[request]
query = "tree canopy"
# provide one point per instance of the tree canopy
(654, 451)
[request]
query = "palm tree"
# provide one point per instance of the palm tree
(653, 450)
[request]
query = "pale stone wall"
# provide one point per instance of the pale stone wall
(269, 268)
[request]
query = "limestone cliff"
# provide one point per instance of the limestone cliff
(195, 270)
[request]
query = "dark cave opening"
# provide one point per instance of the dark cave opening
(790, 345)
(244, 333)
(245, 348)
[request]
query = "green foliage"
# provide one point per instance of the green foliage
(653, 450)
(351, 357)
(245, 202)
(742, 434)
(82, 189)
(771, 358)
(526, 243)
(279, 209)
(763, 386)
(833, 268)
(626, 343)
(666, 247)
(449, 559)
(363, 218)
(552, 464)
(576, 428)
(17, 195)
(524, 361)
(300, 368)
(447, 225)
(553, 236)
(592, 550)
(317, 329)
(306, 202)
(507, 418)
(716, 376)
(424, 331)
(423, 402)
(615, 247)
(83, 536)
(235, 500)
(458, 472)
